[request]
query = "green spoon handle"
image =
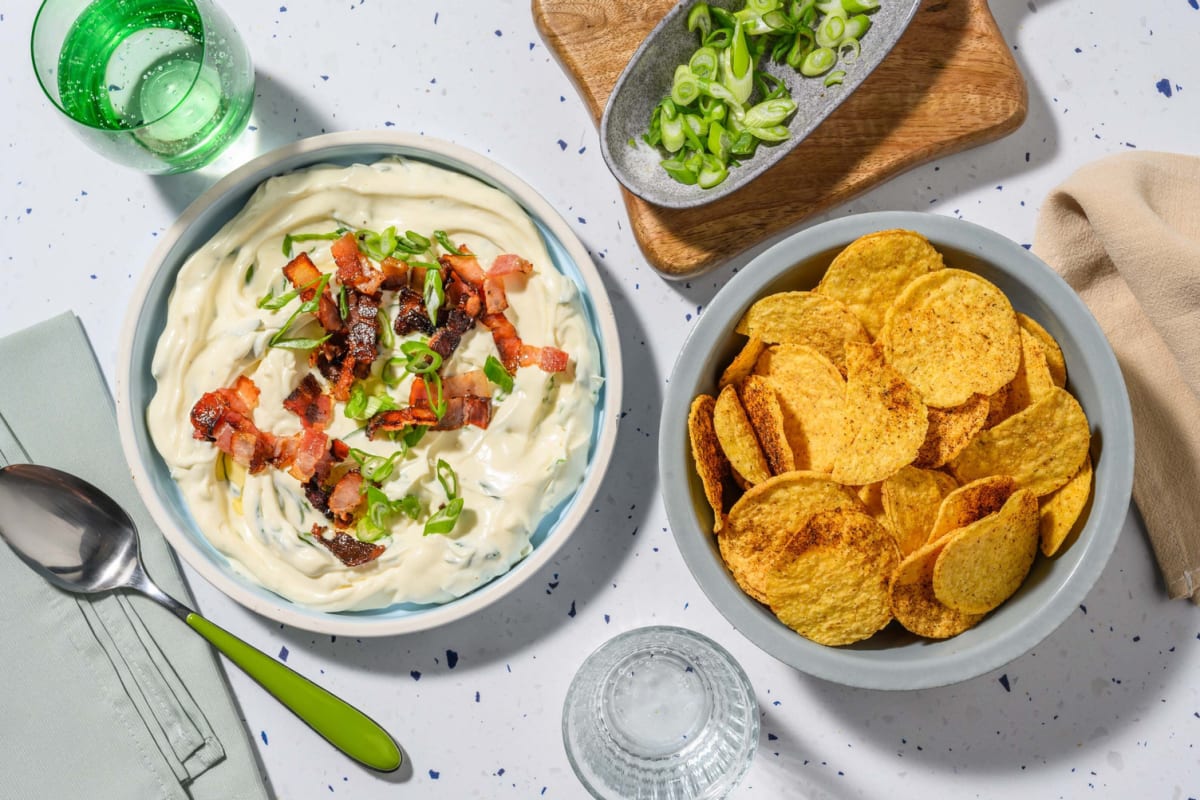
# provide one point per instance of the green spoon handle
(342, 725)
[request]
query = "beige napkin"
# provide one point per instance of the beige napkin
(1125, 234)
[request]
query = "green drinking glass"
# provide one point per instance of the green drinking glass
(159, 85)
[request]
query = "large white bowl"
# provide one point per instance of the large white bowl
(146, 319)
(894, 659)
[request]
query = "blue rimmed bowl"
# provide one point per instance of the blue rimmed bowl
(146, 319)
(894, 659)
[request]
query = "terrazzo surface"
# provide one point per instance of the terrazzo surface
(1106, 706)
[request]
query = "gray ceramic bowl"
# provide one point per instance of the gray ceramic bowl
(894, 659)
(147, 315)
(647, 79)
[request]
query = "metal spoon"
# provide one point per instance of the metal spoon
(80, 540)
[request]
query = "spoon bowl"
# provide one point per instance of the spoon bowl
(647, 79)
(80, 540)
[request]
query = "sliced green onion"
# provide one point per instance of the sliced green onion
(684, 88)
(343, 301)
(836, 77)
(704, 63)
(672, 133)
(737, 74)
(719, 141)
(830, 31)
(497, 374)
(433, 388)
(434, 294)
(859, 6)
(777, 21)
(442, 521)
(414, 434)
(857, 26)
(386, 337)
(250, 272)
(447, 477)
(698, 19)
(772, 112)
(818, 62)
(291, 238)
(445, 242)
(357, 403)
(418, 240)
(374, 467)
(770, 133)
(420, 357)
(848, 50)
(712, 172)
(387, 240)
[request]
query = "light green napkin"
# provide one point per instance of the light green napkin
(108, 696)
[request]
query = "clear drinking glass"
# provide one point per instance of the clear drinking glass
(159, 85)
(660, 713)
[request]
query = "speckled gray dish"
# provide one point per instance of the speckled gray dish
(894, 659)
(147, 316)
(647, 79)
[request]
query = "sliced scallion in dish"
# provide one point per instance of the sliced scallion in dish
(708, 122)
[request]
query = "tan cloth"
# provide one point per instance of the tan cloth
(1125, 233)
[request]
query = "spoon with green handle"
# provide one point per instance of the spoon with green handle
(80, 540)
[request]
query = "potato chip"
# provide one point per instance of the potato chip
(886, 419)
(762, 409)
(1040, 447)
(737, 438)
(806, 318)
(970, 503)
(1054, 355)
(913, 603)
(830, 583)
(911, 499)
(998, 406)
(812, 398)
(952, 334)
(950, 429)
(981, 565)
(1033, 380)
(711, 464)
(766, 516)
(1061, 508)
(743, 363)
(871, 496)
(873, 269)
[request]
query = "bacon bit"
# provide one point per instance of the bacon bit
(247, 392)
(514, 353)
(467, 410)
(328, 313)
(223, 417)
(313, 458)
(463, 296)
(449, 333)
(353, 268)
(302, 272)
(465, 265)
(395, 273)
(339, 450)
(400, 419)
(350, 551)
(362, 327)
(495, 299)
(318, 496)
(550, 359)
(507, 264)
(310, 403)
(345, 498)
(467, 384)
(412, 314)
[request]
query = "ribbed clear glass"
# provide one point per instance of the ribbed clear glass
(660, 713)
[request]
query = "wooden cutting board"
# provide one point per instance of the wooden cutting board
(949, 84)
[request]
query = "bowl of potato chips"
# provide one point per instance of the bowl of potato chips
(896, 450)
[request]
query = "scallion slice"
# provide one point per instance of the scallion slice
(497, 374)
(443, 520)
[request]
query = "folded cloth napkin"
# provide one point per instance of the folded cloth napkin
(106, 696)
(1125, 234)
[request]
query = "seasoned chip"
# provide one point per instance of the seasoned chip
(830, 583)
(873, 269)
(952, 334)
(1054, 355)
(761, 521)
(971, 502)
(913, 602)
(950, 429)
(711, 464)
(812, 397)
(742, 364)
(998, 406)
(885, 416)
(911, 499)
(737, 438)
(871, 496)
(806, 318)
(762, 409)
(1061, 508)
(981, 565)
(1040, 447)
(1033, 380)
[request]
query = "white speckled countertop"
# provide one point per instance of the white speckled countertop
(1107, 706)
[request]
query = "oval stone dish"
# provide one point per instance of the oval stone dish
(647, 79)
(893, 658)
(146, 317)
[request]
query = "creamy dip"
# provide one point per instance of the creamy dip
(529, 459)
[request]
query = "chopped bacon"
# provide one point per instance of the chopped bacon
(304, 275)
(362, 327)
(318, 496)
(346, 497)
(328, 313)
(465, 265)
(514, 353)
(223, 417)
(412, 315)
(452, 325)
(495, 299)
(467, 384)
(399, 419)
(550, 359)
(353, 268)
(463, 296)
(313, 458)
(395, 273)
(347, 549)
(462, 411)
(247, 392)
(507, 264)
(310, 403)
